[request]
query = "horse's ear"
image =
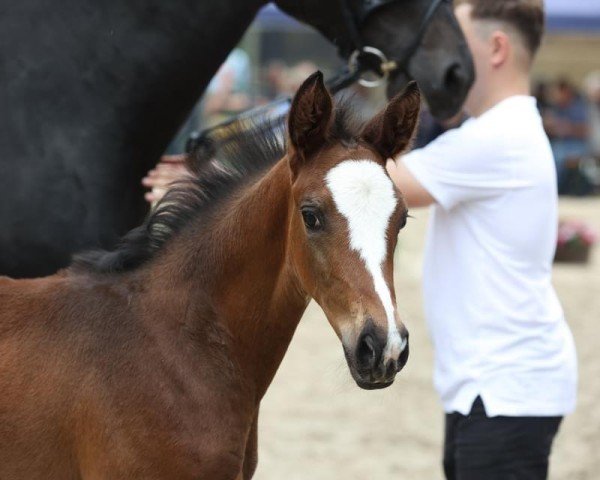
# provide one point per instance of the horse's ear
(392, 129)
(309, 120)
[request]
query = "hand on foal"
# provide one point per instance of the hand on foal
(171, 168)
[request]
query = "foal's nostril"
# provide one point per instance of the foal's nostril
(391, 369)
(403, 356)
(366, 354)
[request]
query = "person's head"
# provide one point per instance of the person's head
(541, 91)
(564, 93)
(504, 36)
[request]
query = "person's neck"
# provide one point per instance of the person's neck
(504, 88)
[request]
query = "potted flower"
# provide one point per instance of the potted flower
(575, 241)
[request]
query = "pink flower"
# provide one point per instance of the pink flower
(576, 230)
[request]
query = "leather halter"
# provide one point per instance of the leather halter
(364, 58)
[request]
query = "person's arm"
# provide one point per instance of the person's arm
(412, 190)
(461, 165)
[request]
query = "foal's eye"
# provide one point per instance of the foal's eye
(311, 220)
(404, 219)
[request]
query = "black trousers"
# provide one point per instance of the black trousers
(478, 447)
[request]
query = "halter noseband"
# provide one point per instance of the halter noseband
(364, 58)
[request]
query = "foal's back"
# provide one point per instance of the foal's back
(88, 391)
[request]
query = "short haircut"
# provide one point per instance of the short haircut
(526, 17)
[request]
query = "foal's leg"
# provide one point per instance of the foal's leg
(251, 455)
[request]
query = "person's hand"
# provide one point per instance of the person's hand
(171, 168)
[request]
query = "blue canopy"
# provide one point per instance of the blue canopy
(562, 16)
(270, 17)
(573, 15)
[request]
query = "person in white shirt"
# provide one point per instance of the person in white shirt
(505, 362)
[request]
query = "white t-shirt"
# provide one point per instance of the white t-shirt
(496, 322)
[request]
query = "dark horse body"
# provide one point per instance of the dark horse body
(150, 362)
(92, 92)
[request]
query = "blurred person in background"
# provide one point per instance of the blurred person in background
(274, 80)
(296, 76)
(592, 90)
(505, 362)
(229, 91)
(541, 92)
(566, 122)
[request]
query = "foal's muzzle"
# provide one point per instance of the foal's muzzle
(371, 364)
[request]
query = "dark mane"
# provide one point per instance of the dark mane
(224, 159)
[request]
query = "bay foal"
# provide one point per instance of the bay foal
(150, 362)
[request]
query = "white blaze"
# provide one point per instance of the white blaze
(365, 196)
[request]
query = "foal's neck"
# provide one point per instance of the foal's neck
(262, 299)
(241, 264)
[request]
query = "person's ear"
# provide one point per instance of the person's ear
(391, 130)
(309, 120)
(501, 48)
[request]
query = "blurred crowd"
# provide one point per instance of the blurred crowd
(571, 115)
(234, 89)
(572, 121)
(238, 86)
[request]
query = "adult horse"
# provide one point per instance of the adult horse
(149, 362)
(92, 92)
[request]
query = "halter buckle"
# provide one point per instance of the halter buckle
(377, 75)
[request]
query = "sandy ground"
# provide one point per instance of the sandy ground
(317, 424)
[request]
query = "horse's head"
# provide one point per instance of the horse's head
(422, 36)
(346, 217)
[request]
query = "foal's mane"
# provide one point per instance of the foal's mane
(225, 159)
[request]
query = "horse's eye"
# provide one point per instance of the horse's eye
(311, 220)
(404, 219)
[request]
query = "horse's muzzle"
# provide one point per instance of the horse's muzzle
(371, 363)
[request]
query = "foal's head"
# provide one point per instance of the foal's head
(346, 219)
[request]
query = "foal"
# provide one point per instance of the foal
(150, 362)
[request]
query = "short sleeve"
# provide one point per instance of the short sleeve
(462, 165)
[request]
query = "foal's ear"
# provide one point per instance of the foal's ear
(392, 129)
(309, 120)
